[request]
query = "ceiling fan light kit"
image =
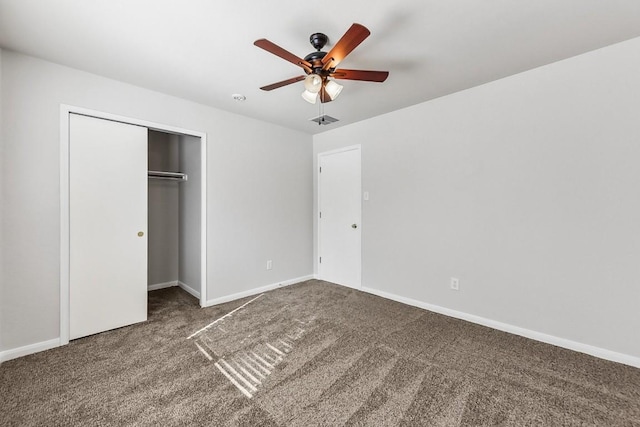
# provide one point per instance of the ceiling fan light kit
(313, 83)
(332, 88)
(319, 66)
(310, 97)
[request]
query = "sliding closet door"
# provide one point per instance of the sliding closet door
(108, 225)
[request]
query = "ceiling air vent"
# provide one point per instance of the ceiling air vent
(324, 120)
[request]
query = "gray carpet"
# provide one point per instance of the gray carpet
(312, 354)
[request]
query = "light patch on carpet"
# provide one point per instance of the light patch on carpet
(221, 319)
(248, 343)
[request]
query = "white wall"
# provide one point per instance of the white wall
(1, 199)
(189, 235)
(527, 189)
(259, 189)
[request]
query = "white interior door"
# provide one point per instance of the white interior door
(339, 187)
(108, 225)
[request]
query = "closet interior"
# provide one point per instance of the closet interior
(174, 238)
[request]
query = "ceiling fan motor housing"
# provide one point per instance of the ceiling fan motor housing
(318, 40)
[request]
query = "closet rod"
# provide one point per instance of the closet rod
(173, 176)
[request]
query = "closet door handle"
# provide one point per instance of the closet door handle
(140, 233)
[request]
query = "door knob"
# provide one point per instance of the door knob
(140, 233)
(354, 225)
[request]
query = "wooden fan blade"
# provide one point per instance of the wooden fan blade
(351, 39)
(284, 54)
(282, 83)
(366, 75)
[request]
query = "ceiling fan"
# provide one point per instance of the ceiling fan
(319, 65)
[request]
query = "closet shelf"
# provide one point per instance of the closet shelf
(172, 176)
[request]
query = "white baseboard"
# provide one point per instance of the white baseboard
(157, 286)
(538, 336)
(14, 353)
(188, 289)
(505, 327)
(255, 291)
(46, 345)
(173, 283)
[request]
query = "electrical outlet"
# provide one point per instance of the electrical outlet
(269, 265)
(455, 284)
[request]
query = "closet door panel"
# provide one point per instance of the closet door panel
(108, 225)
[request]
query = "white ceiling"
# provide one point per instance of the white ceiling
(203, 50)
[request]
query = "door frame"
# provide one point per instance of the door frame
(65, 111)
(318, 204)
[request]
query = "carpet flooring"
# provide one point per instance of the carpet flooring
(312, 354)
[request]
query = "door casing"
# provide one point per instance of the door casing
(65, 111)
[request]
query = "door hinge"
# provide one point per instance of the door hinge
(320, 169)
(320, 260)
(320, 214)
